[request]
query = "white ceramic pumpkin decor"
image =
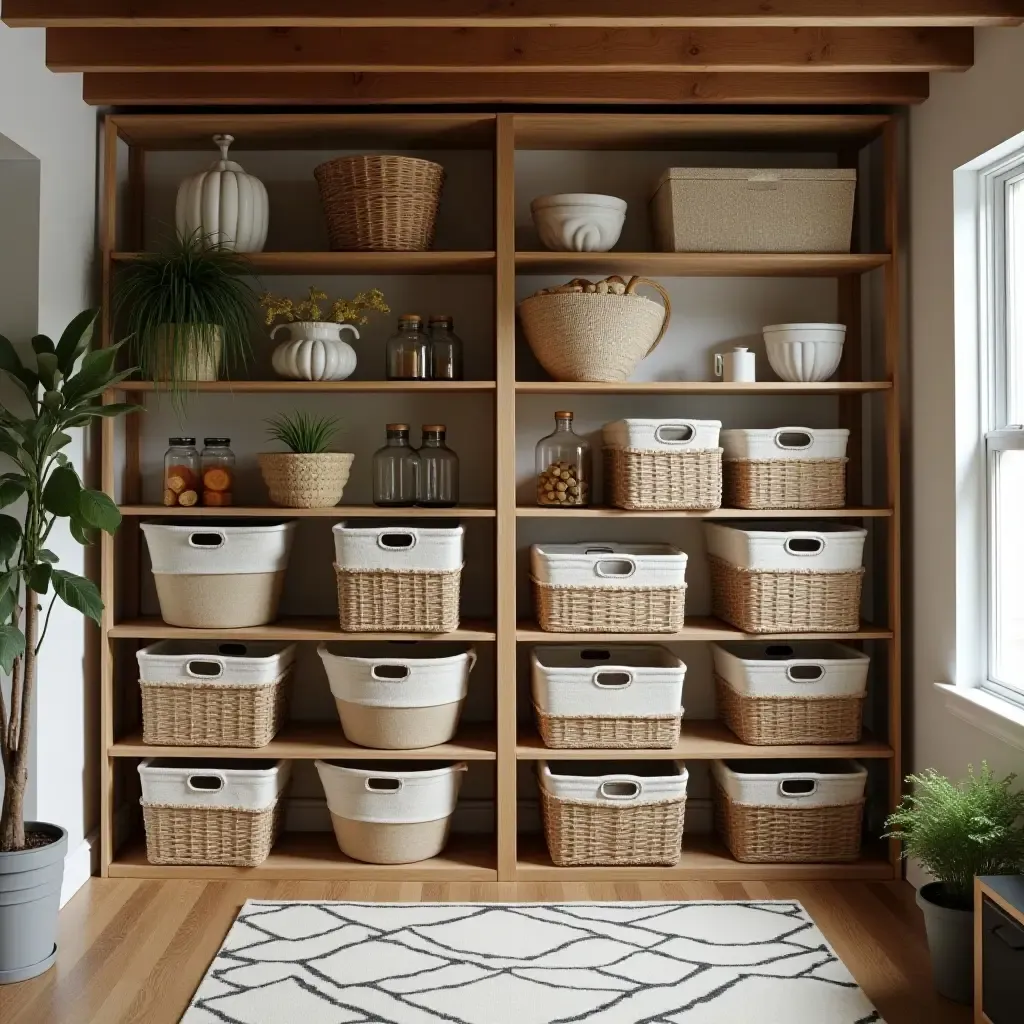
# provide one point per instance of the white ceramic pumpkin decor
(315, 350)
(225, 203)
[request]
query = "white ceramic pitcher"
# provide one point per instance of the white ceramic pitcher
(736, 366)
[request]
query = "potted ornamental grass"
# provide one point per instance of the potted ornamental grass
(958, 830)
(58, 388)
(308, 474)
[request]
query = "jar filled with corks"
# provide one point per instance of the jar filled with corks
(563, 466)
(181, 472)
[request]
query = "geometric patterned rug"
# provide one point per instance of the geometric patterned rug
(527, 963)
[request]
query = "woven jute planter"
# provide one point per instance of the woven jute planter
(580, 833)
(609, 609)
(585, 732)
(388, 600)
(209, 835)
(195, 713)
(637, 479)
(768, 721)
(380, 203)
(771, 835)
(196, 357)
(763, 601)
(305, 480)
(785, 483)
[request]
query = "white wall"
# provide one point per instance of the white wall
(965, 116)
(44, 114)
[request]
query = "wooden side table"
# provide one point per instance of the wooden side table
(999, 949)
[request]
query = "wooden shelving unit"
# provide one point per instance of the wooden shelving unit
(866, 391)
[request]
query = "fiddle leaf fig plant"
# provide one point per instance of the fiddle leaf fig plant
(38, 487)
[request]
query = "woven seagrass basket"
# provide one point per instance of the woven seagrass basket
(637, 479)
(785, 483)
(306, 479)
(389, 600)
(210, 835)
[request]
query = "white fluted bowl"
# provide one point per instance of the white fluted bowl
(805, 352)
(578, 221)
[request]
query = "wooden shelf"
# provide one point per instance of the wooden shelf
(704, 858)
(305, 741)
(701, 264)
(547, 512)
(698, 628)
(701, 740)
(297, 628)
(432, 262)
(314, 856)
(335, 512)
(699, 387)
(269, 387)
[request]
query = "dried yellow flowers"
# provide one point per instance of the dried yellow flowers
(342, 311)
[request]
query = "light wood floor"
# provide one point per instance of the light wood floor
(132, 952)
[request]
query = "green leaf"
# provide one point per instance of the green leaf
(82, 416)
(75, 340)
(11, 489)
(7, 605)
(12, 645)
(9, 359)
(7, 581)
(8, 446)
(60, 495)
(39, 577)
(52, 401)
(96, 369)
(97, 509)
(45, 555)
(49, 375)
(77, 592)
(41, 344)
(82, 533)
(57, 441)
(10, 537)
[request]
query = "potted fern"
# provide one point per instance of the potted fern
(958, 830)
(308, 474)
(186, 310)
(40, 486)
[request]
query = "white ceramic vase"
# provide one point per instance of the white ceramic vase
(224, 203)
(315, 350)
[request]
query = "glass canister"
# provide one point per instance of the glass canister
(563, 466)
(396, 469)
(439, 470)
(445, 348)
(217, 461)
(407, 354)
(181, 472)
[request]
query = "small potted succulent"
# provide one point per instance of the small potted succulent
(308, 474)
(958, 830)
(315, 349)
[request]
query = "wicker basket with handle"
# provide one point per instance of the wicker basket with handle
(584, 331)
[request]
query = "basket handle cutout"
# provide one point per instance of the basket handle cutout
(598, 550)
(617, 680)
(233, 650)
(804, 545)
(793, 438)
(383, 785)
(631, 286)
(620, 789)
(798, 788)
(809, 673)
(204, 668)
(778, 651)
(675, 433)
(390, 672)
(205, 783)
(596, 654)
(615, 568)
(209, 540)
(396, 541)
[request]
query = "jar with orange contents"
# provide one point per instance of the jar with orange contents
(181, 472)
(218, 465)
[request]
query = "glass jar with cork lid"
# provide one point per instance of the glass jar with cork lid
(407, 354)
(563, 466)
(439, 469)
(396, 469)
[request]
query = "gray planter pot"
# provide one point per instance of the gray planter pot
(30, 882)
(950, 942)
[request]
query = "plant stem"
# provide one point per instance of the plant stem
(12, 824)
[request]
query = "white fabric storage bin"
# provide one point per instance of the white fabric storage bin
(253, 662)
(784, 443)
(608, 565)
(219, 574)
(662, 435)
(741, 209)
(791, 783)
(393, 812)
(397, 547)
(639, 782)
(801, 669)
(777, 547)
(394, 696)
(213, 782)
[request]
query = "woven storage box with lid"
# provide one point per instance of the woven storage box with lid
(770, 694)
(613, 813)
(800, 811)
(380, 203)
(391, 812)
(397, 697)
(741, 209)
(211, 811)
(607, 697)
(663, 464)
(776, 579)
(212, 693)
(222, 574)
(787, 467)
(608, 588)
(396, 578)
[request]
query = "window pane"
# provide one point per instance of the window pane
(1007, 560)
(1015, 301)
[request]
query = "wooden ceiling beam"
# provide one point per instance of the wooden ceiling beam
(509, 13)
(324, 88)
(510, 50)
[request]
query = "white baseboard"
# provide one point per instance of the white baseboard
(80, 865)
